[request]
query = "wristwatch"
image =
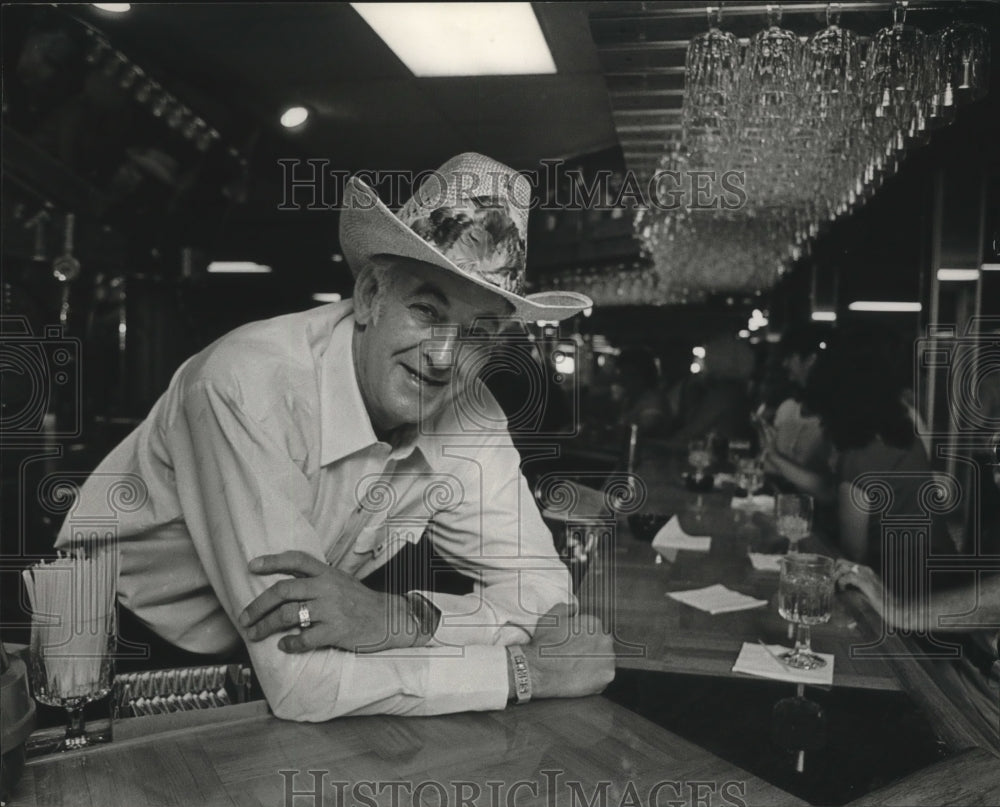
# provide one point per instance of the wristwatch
(425, 615)
(522, 676)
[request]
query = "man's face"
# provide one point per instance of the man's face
(410, 357)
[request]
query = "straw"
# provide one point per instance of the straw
(72, 603)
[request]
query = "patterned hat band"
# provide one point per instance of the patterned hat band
(480, 237)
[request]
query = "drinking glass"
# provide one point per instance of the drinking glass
(770, 74)
(831, 72)
(750, 475)
(699, 457)
(711, 68)
(73, 673)
(793, 513)
(895, 67)
(73, 633)
(939, 93)
(966, 62)
(805, 593)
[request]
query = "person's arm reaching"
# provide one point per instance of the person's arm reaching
(819, 486)
(944, 608)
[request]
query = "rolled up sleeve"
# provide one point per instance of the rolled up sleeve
(242, 495)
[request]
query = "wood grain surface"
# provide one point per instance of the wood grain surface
(560, 750)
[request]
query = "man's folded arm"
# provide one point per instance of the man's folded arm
(497, 536)
(243, 496)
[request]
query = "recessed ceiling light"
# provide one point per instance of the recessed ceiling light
(462, 39)
(958, 274)
(238, 267)
(884, 305)
(114, 8)
(824, 316)
(294, 116)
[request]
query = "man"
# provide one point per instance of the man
(295, 456)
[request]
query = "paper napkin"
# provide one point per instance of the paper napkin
(723, 479)
(766, 563)
(762, 502)
(755, 660)
(671, 536)
(716, 599)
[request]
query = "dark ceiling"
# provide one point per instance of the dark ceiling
(250, 60)
(239, 64)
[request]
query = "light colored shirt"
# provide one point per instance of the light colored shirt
(261, 444)
(800, 437)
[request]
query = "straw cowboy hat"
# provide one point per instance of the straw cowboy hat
(470, 218)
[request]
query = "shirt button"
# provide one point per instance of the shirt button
(379, 548)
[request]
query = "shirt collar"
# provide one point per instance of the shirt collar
(345, 427)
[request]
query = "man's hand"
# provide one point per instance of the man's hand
(343, 612)
(572, 657)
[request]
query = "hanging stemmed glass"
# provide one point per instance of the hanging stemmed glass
(895, 71)
(939, 94)
(711, 69)
(831, 74)
(965, 62)
(767, 87)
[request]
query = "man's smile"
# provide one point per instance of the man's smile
(421, 378)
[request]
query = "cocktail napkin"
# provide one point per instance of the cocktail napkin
(716, 599)
(761, 503)
(755, 660)
(671, 536)
(766, 563)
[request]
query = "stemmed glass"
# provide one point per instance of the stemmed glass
(939, 93)
(793, 513)
(895, 75)
(73, 635)
(700, 458)
(750, 476)
(805, 592)
(71, 679)
(711, 69)
(965, 62)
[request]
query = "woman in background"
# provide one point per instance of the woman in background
(858, 392)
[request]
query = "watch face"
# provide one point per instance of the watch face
(425, 612)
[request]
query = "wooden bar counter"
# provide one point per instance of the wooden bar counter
(555, 752)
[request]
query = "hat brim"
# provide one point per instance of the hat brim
(368, 228)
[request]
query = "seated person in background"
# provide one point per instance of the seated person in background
(294, 457)
(798, 438)
(717, 399)
(858, 399)
(794, 444)
(637, 387)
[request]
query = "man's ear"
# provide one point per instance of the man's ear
(366, 289)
